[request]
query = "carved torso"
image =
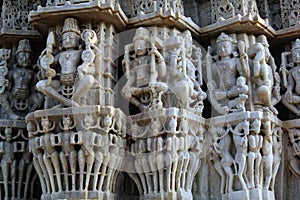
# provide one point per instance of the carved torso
(227, 71)
(69, 61)
(142, 69)
(296, 77)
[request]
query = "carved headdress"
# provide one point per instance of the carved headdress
(224, 37)
(296, 45)
(71, 25)
(24, 46)
(141, 34)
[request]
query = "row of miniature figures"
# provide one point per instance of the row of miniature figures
(250, 150)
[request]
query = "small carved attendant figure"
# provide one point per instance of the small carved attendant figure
(8, 164)
(292, 96)
(254, 156)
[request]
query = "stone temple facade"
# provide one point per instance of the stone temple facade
(150, 99)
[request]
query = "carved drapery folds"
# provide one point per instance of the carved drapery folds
(77, 153)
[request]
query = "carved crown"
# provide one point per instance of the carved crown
(224, 37)
(141, 34)
(71, 25)
(24, 46)
(296, 45)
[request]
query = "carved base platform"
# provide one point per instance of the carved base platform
(238, 195)
(180, 195)
(254, 194)
(76, 195)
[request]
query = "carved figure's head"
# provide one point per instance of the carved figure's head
(224, 45)
(296, 51)
(71, 33)
(24, 53)
(140, 41)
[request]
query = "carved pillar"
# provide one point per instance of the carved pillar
(18, 177)
(79, 138)
(245, 134)
(168, 134)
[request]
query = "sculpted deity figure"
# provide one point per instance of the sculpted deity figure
(145, 71)
(68, 59)
(254, 155)
(227, 67)
(265, 78)
(4, 82)
(182, 72)
(292, 82)
(22, 76)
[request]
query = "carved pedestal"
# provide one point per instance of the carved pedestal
(246, 153)
(166, 147)
(77, 151)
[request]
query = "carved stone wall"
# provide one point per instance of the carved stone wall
(140, 99)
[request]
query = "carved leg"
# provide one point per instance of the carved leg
(251, 171)
(168, 172)
(242, 164)
(13, 171)
(174, 172)
(151, 160)
(103, 172)
(55, 161)
(179, 170)
(146, 170)
(50, 172)
(257, 173)
(5, 171)
(218, 168)
(141, 175)
(39, 172)
(110, 171)
(28, 173)
(184, 171)
(275, 170)
(73, 160)
(89, 165)
(268, 171)
(81, 159)
(160, 168)
(44, 170)
(84, 86)
(229, 173)
(64, 164)
(32, 184)
(20, 181)
(98, 163)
